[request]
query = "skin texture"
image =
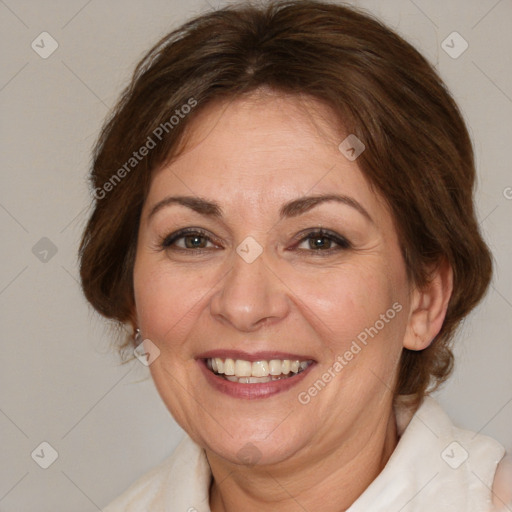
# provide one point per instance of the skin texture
(251, 156)
(502, 486)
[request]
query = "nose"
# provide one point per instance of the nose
(251, 295)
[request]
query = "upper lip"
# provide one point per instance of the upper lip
(265, 355)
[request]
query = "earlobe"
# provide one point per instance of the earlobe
(418, 325)
(428, 308)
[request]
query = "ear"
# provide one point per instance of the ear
(428, 308)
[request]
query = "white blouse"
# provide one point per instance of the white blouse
(434, 467)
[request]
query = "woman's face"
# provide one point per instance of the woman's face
(253, 283)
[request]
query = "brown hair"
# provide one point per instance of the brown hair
(418, 151)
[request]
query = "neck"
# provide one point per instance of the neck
(330, 483)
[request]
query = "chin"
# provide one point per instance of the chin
(249, 448)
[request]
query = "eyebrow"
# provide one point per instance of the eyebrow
(292, 208)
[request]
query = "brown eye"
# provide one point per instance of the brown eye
(195, 241)
(186, 240)
(323, 241)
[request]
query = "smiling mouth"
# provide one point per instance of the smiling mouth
(256, 372)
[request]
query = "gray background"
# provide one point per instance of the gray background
(60, 382)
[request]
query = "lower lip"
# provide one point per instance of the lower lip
(251, 391)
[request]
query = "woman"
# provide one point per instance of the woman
(284, 216)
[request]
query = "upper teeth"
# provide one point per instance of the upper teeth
(243, 368)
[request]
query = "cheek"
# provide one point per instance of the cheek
(344, 301)
(164, 299)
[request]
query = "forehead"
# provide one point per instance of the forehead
(262, 149)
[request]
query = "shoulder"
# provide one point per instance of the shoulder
(142, 493)
(182, 478)
(470, 465)
(489, 467)
(502, 485)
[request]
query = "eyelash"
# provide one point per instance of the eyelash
(166, 242)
